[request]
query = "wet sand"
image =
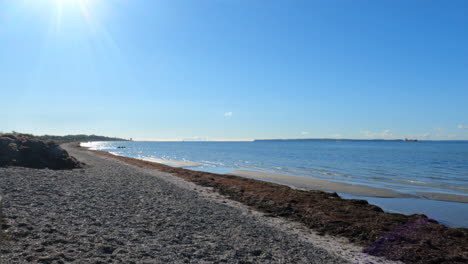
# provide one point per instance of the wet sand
(359, 190)
(445, 197)
(316, 184)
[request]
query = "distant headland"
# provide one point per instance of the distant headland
(69, 138)
(328, 139)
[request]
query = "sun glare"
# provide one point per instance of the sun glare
(82, 5)
(63, 8)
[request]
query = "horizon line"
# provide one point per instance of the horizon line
(289, 139)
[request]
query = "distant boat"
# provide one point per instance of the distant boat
(411, 140)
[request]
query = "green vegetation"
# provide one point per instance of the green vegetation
(70, 138)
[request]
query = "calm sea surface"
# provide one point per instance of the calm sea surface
(409, 167)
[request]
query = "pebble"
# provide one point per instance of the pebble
(112, 213)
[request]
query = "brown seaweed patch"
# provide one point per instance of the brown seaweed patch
(422, 241)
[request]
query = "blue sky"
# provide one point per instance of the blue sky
(235, 69)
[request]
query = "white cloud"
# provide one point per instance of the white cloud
(304, 133)
(377, 135)
(228, 114)
(425, 135)
(462, 126)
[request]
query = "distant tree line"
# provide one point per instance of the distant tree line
(70, 138)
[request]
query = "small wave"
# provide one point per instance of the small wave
(410, 182)
(298, 172)
(213, 163)
(173, 163)
(259, 168)
(322, 173)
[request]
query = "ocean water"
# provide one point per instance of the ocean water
(407, 167)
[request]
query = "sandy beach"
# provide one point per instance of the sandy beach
(112, 212)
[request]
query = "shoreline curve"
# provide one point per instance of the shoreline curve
(323, 185)
(359, 190)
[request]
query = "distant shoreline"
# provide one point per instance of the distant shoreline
(67, 138)
(347, 139)
(278, 140)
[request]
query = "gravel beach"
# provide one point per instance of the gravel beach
(111, 212)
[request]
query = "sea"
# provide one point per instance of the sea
(436, 167)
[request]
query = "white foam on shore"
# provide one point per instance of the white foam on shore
(173, 163)
(86, 144)
(90, 145)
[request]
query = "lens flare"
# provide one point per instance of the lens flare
(81, 5)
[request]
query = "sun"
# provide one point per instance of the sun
(82, 5)
(72, 1)
(67, 7)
